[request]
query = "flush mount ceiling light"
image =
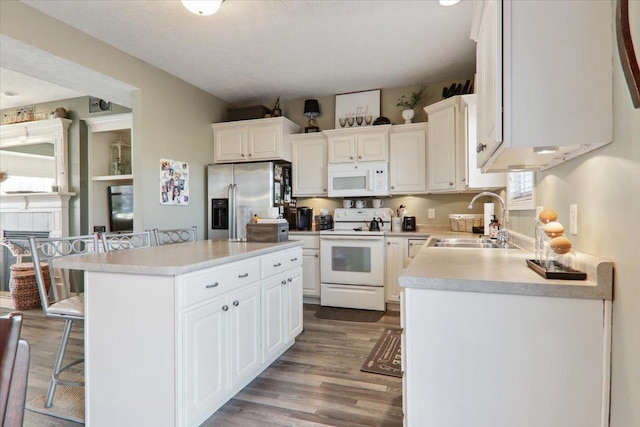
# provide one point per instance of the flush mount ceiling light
(202, 7)
(545, 150)
(448, 2)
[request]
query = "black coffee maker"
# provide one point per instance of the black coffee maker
(409, 223)
(304, 218)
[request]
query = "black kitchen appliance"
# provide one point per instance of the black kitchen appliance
(324, 222)
(304, 218)
(409, 223)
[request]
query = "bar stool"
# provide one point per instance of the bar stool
(65, 307)
(175, 235)
(118, 241)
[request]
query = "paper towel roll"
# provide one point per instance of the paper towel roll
(489, 209)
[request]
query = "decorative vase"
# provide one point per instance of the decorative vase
(407, 115)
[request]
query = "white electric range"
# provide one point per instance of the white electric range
(352, 269)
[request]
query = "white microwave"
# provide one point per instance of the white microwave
(358, 179)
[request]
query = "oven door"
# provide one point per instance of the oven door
(352, 260)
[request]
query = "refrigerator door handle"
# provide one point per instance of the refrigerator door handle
(231, 206)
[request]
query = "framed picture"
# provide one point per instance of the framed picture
(357, 109)
(174, 182)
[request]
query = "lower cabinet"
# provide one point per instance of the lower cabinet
(400, 252)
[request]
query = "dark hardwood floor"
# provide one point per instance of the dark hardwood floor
(317, 382)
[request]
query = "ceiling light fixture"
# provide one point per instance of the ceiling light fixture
(202, 7)
(448, 2)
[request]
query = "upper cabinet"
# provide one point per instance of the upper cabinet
(253, 140)
(544, 81)
(309, 164)
(408, 159)
(451, 149)
(368, 144)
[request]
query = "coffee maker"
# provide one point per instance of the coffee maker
(300, 218)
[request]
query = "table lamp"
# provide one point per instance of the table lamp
(311, 110)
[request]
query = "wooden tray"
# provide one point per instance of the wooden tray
(563, 273)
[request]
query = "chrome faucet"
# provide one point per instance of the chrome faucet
(503, 235)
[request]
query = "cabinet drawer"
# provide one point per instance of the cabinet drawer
(209, 283)
(279, 262)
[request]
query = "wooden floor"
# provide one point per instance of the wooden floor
(317, 382)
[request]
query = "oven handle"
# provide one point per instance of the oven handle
(351, 238)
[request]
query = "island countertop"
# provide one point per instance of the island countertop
(171, 260)
(502, 271)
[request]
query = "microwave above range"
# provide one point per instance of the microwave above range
(358, 179)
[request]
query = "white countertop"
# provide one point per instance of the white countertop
(171, 260)
(501, 271)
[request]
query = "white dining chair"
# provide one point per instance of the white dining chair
(63, 307)
(175, 235)
(118, 241)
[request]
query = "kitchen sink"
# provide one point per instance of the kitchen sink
(481, 243)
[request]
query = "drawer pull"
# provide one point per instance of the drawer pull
(289, 280)
(225, 308)
(212, 285)
(284, 282)
(236, 303)
(277, 265)
(242, 276)
(294, 259)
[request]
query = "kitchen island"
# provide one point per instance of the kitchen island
(173, 332)
(489, 342)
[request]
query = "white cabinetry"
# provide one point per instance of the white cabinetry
(309, 164)
(253, 140)
(366, 144)
(508, 360)
(310, 264)
(105, 134)
(400, 252)
(408, 159)
(451, 150)
(536, 87)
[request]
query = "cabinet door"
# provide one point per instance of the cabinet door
(230, 145)
(372, 147)
(342, 149)
(205, 332)
(310, 167)
(264, 142)
(311, 272)
(407, 162)
(394, 268)
(413, 247)
(489, 78)
(244, 308)
(442, 149)
(294, 303)
(273, 316)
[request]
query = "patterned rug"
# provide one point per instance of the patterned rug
(385, 358)
(68, 404)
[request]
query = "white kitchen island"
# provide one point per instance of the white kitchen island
(173, 332)
(487, 342)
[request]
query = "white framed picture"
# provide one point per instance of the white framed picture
(357, 109)
(174, 182)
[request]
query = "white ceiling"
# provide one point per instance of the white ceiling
(252, 51)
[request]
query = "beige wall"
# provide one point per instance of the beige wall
(605, 184)
(171, 118)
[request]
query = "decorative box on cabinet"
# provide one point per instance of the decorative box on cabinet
(408, 159)
(367, 144)
(451, 149)
(309, 164)
(526, 55)
(253, 140)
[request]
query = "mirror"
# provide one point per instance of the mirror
(34, 156)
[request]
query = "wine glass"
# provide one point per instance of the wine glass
(367, 119)
(350, 120)
(343, 121)
(359, 120)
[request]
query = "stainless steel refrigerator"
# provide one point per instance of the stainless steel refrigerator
(239, 191)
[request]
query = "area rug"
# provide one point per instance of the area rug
(349, 314)
(68, 404)
(385, 358)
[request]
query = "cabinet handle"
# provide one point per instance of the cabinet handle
(284, 282)
(324, 189)
(242, 155)
(212, 285)
(393, 187)
(277, 265)
(289, 279)
(359, 157)
(464, 179)
(316, 255)
(481, 147)
(242, 276)
(294, 259)
(450, 183)
(350, 157)
(249, 154)
(225, 308)
(236, 303)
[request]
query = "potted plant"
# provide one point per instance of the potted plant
(408, 105)
(276, 111)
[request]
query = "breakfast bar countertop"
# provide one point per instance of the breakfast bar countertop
(171, 260)
(502, 271)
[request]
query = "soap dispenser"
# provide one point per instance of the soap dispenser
(494, 226)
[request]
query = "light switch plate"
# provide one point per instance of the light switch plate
(432, 213)
(573, 219)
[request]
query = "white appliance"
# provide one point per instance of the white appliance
(358, 179)
(352, 260)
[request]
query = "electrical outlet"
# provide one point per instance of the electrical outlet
(573, 219)
(432, 213)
